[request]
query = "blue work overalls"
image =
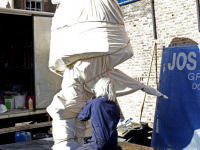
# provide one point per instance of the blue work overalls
(104, 115)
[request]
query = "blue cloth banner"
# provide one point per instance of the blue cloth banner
(123, 2)
(177, 120)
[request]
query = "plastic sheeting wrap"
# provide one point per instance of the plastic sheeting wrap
(88, 40)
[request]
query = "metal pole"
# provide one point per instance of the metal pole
(153, 19)
(198, 17)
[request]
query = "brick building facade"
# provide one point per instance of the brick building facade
(176, 24)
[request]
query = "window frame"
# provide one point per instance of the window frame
(34, 8)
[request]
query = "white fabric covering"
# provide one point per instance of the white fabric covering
(71, 130)
(74, 12)
(88, 40)
(152, 91)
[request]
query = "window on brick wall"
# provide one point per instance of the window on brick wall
(34, 5)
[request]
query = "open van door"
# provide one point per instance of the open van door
(47, 84)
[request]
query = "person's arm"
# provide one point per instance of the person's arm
(84, 115)
(152, 91)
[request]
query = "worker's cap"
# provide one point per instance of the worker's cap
(3, 108)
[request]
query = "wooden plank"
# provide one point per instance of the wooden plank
(31, 126)
(19, 113)
(131, 146)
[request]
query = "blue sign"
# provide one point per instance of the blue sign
(177, 120)
(123, 2)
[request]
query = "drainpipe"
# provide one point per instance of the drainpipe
(198, 17)
(153, 19)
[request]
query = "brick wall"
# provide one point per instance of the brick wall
(48, 6)
(176, 25)
(19, 4)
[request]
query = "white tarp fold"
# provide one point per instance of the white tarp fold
(87, 40)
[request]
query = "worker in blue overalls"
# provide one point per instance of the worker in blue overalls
(104, 115)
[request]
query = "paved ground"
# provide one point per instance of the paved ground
(31, 145)
(47, 144)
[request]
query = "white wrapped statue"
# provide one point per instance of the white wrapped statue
(88, 40)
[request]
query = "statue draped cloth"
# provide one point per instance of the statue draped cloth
(88, 40)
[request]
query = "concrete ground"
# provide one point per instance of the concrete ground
(46, 144)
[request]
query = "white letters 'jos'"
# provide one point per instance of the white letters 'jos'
(176, 62)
